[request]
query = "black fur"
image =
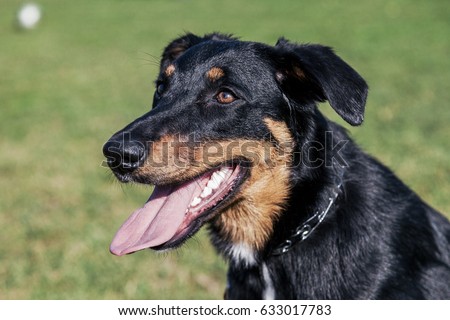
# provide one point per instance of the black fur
(378, 241)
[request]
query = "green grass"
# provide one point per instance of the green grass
(88, 70)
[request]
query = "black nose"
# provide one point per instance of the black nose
(124, 154)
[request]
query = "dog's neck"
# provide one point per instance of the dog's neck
(305, 229)
(295, 225)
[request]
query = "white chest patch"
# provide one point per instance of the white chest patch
(243, 253)
(269, 290)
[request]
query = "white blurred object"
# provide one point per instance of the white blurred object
(29, 15)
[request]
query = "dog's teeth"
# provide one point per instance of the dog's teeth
(196, 201)
(217, 178)
(212, 183)
(225, 172)
(206, 192)
(220, 174)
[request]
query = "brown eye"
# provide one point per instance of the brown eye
(225, 97)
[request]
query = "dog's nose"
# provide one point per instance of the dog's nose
(124, 155)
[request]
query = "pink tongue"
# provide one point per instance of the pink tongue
(159, 219)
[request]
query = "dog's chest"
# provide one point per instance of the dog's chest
(250, 283)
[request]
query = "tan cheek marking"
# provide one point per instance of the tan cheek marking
(173, 158)
(281, 133)
(261, 200)
(169, 70)
(215, 74)
(263, 196)
(169, 160)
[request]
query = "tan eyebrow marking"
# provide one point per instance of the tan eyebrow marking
(169, 70)
(215, 74)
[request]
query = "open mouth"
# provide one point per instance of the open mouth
(172, 214)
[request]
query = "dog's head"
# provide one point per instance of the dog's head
(219, 142)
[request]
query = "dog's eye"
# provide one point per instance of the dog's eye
(225, 97)
(160, 88)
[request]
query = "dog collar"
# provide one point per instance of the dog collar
(302, 232)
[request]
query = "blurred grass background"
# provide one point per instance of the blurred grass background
(88, 69)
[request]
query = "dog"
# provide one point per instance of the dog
(235, 141)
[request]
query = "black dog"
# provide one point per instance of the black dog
(235, 140)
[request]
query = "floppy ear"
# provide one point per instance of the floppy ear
(315, 73)
(178, 46)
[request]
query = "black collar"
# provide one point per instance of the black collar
(303, 231)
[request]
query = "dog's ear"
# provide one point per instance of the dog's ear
(315, 73)
(178, 46)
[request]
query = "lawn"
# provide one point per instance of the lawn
(88, 69)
